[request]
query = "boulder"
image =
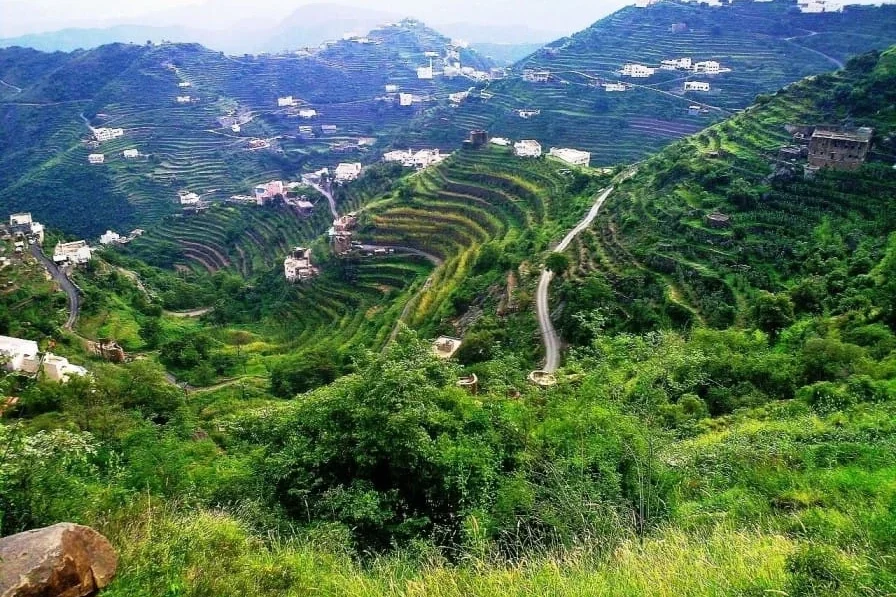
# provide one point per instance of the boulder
(64, 560)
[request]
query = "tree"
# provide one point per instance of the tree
(557, 263)
(772, 312)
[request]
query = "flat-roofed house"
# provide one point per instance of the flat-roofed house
(527, 148)
(696, 86)
(839, 148)
(573, 157)
(76, 253)
(96, 158)
(297, 266)
(17, 352)
(130, 154)
(347, 172)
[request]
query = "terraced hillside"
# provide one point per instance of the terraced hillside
(766, 45)
(483, 213)
(49, 104)
(793, 242)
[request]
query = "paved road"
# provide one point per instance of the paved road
(548, 334)
(326, 193)
(74, 297)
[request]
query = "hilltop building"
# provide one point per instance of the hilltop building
(285, 102)
(840, 149)
(297, 265)
(419, 159)
(188, 198)
(817, 6)
(266, 192)
(527, 148)
(536, 76)
(710, 67)
(677, 64)
(96, 158)
(696, 86)
(110, 237)
(478, 138)
(22, 225)
(106, 134)
(24, 356)
(347, 172)
(75, 253)
(573, 157)
(637, 71)
(501, 141)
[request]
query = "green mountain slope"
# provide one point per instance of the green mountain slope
(766, 45)
(186, 146)
(816, 240)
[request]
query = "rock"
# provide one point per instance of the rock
(64, 560)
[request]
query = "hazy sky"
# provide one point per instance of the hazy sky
(28, 16)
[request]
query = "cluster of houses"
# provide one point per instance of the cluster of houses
(816, 6)
(298, 267)
(100, 158)
(23, 356)
(641, 71)
(709, 67)
(530, 148)
(421, 159)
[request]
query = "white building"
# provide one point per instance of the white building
(615, 87)
(307, 113)
(710, 67)
(527, 114)
(645, 3)
(500, 141)
(189, 198)
(22, 223)
(106, 134)
(110, 237)
(96, 158)
(183, 84)
(452, 71)
(297, 266)
(458, 97)
(328, 129)
(696, 86)
(420, 159)
(130, 154)
(398, 156)
(57, 368)
(527, 148)
(573, 157)
(637, 71)
(431, 54)
(677, 64)
(285, 102)
(184, 99)
(391, 88)
(425, 72)
(816, 6)
(75, 253)
(347, 172)
(18, 354)
(405, 99)
(235, 128)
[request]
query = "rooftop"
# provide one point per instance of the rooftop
(862, 135)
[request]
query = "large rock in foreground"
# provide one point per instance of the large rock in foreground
(64, 560)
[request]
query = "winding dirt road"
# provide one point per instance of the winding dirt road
(549, 335)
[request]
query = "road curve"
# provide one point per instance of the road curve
(329, 195)
(548, 334)
(74, 297)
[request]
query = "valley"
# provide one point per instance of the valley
(560, 328)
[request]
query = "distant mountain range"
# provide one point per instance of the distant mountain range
(307, 26)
